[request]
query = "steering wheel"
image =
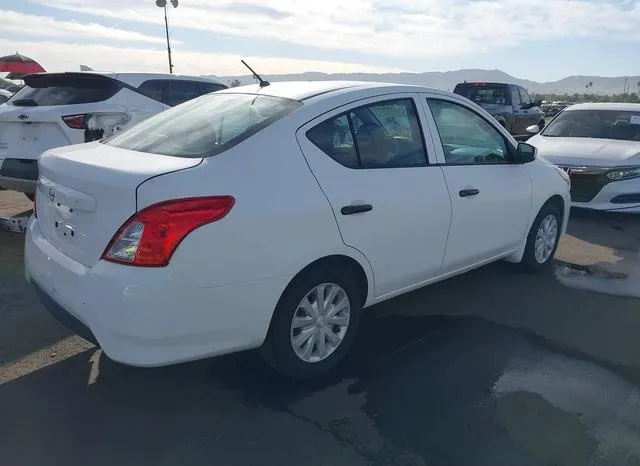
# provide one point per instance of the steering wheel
(488, 157)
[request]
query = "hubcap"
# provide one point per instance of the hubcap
(320, 322)
(546, 239)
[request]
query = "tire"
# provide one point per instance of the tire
(31, 197)
(278, 349)
(530, 260)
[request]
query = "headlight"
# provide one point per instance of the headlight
(623, 173)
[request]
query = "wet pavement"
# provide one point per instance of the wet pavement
(495, 367)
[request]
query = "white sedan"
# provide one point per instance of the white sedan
(271, 216)
(599, 146)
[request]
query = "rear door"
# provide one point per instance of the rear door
(524, 114)
(372, 162)
(533, 113)
(491, 197)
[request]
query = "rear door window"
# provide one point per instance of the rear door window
(155, 89)
(381, 135)
(484, 93)
(65, 89)
(180, 91)
(211, 87)
(524, 97)
(516, 97)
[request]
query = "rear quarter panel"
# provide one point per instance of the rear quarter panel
(280, 223)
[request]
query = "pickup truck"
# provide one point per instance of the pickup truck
(510, 104)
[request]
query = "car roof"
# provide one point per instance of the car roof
(317, 90)
(136, 78)
(616, 106)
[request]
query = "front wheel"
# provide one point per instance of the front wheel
(314, 324)
(543, 238)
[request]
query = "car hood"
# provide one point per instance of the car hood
(587, 151)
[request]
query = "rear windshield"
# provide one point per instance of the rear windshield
(204, 126)
(484, 93)
(604, 124)
(52, 89)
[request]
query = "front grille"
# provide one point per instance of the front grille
(586, 183)
(19, 168)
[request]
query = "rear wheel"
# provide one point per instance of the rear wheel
(314, 324)
(543, 238)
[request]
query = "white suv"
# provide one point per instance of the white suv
(59, 109)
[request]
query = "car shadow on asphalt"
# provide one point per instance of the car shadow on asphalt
(414, 390)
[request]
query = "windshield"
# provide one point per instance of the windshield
(484, 93)
(602, 124)
(205, 126)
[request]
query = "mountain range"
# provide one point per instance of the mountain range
(448, 79)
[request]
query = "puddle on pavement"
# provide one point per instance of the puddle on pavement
(598, 279)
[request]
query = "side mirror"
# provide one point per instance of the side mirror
(525, 153)
(533, 129)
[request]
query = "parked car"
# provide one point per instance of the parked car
(271, 216)
(598, 145)
(59, 109)
(510, 104)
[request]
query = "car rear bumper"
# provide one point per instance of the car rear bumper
(147, 317)
(615, 196)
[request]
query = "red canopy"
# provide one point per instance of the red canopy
(19, 64)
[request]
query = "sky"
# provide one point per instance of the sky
(542, 40)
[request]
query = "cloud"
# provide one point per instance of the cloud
(406, 29)
(60, 56)
(34, 26)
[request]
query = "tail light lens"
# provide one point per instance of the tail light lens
(150, 237)
(75, 121)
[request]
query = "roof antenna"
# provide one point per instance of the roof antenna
(262, 82)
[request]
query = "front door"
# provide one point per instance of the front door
(491, 197)
(372, 162)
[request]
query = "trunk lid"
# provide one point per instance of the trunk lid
(87, 191)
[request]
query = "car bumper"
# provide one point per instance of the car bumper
(19, 174)
(18, 184)
(616, 196)
(147, 317)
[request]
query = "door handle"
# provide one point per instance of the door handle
(356, 209)
(469, 192)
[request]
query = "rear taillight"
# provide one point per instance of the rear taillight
(150, 237)
(75, 121)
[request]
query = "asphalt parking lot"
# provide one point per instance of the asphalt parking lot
(496, 367)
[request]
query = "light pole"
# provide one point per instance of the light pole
(163, 4)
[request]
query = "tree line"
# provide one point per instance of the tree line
(629, 97)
